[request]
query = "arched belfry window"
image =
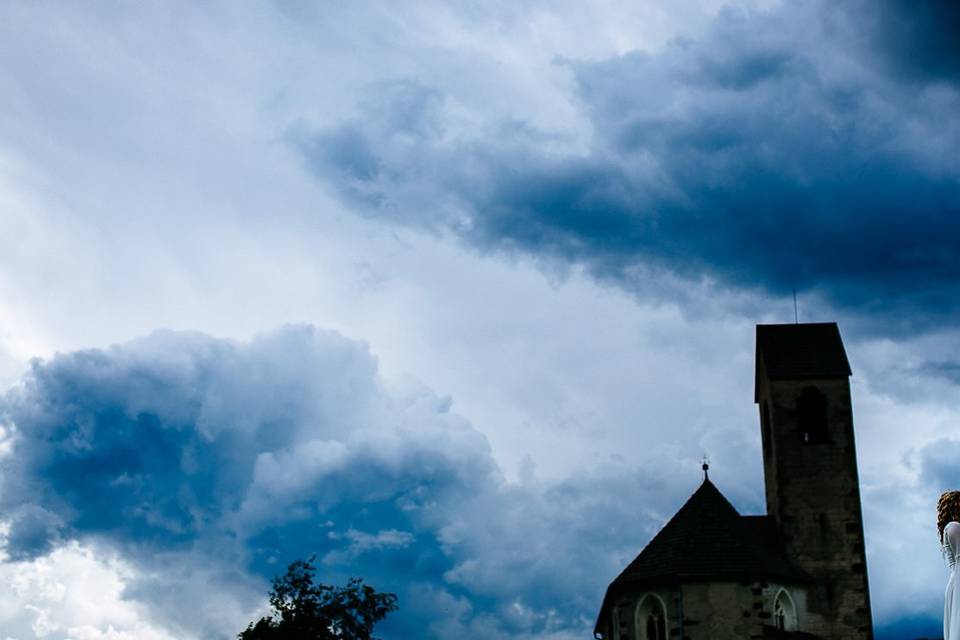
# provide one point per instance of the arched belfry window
(812, 415)
(651, 618)
(784, 612)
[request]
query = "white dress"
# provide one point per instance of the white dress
(951, 598)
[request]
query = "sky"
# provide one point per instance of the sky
(453, 296)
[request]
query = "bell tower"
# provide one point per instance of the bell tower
(802, 389)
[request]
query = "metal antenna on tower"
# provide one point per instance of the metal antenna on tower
(705, 466)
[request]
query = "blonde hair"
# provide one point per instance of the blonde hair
(948, 508)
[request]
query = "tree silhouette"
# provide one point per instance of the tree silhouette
(303, 610)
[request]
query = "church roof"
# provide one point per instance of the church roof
(796, 351)
(708, 540)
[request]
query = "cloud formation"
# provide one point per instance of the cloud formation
(779, 149)
(648, 159)
(917, 39)
(71, 593)
(209, 464)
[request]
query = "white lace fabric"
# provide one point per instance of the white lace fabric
(951, 543)
(951, 597)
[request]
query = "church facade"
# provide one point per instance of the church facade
(797, 572)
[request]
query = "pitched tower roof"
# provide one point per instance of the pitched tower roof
(797, 351)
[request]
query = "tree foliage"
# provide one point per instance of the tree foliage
(303, 610)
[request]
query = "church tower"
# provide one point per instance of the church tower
(802, 389)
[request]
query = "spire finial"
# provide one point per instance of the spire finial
(705, 466)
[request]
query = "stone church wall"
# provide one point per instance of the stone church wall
(712, 611)
(736, 610)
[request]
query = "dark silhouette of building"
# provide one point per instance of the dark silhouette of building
(798, 572)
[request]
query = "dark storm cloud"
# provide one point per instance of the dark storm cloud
(771, 152)
(33, 531)
(209, 464)
(917, 38)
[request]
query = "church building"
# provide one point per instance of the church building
(798, 572)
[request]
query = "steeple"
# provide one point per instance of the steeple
(802, 390)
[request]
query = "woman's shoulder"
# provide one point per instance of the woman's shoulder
(950, 523)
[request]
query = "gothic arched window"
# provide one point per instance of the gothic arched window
(656, 627)
(812, 415)
(784, 612)
(651, 619)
